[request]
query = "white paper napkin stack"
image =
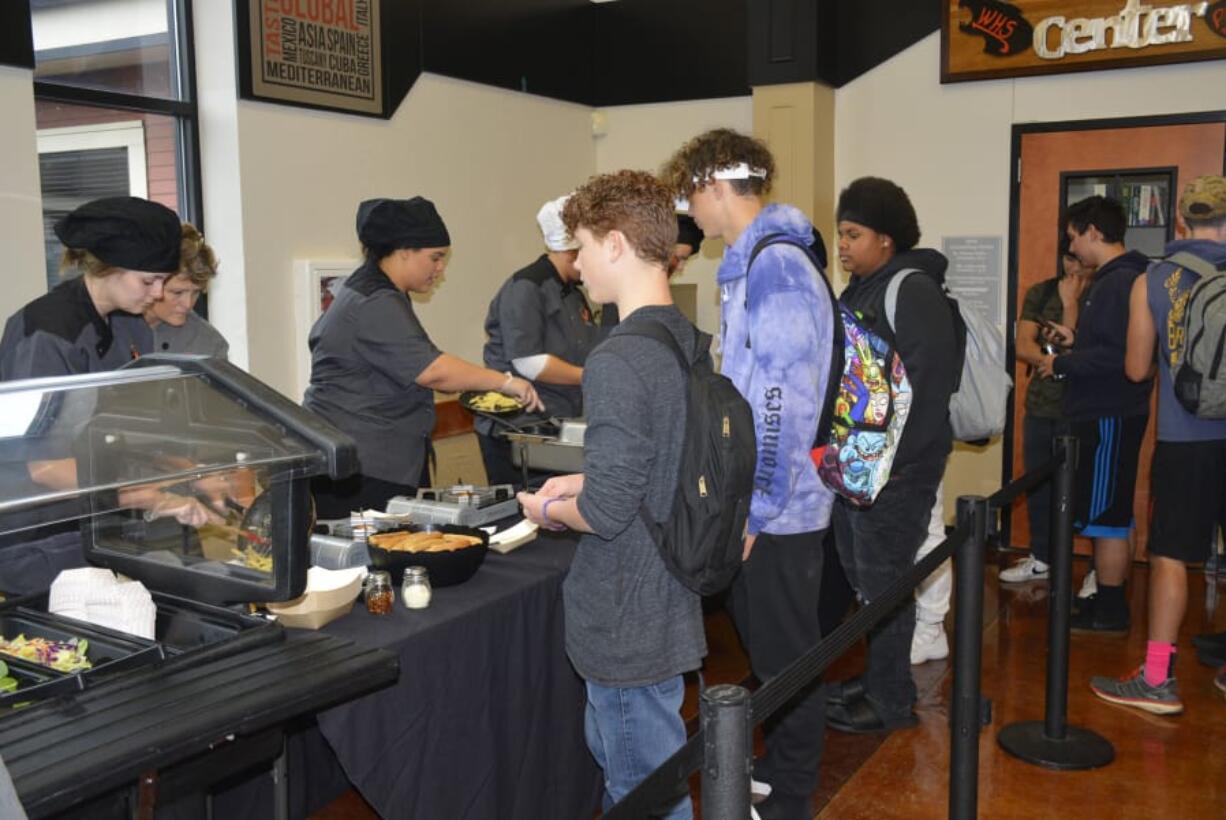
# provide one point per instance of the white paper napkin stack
(95, 595)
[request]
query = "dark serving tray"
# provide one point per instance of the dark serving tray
(109, 652)
(184, 625)
(35, 683)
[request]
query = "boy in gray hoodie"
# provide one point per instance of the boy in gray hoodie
(777, 329)
(632, 628)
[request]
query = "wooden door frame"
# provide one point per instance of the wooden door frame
(1020, 130)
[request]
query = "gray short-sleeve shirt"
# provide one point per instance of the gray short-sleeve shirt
(367, 351)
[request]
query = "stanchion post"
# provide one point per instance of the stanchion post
(1052, 743)
(966, 709)
(1060, 600)
(728, 752)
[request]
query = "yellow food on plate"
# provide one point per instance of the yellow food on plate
(494, 402)
(253, 560)
(422, 541)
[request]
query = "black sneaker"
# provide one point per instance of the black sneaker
(1094, 619)
(1213, 642)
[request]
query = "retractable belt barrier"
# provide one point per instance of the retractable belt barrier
(722, 746)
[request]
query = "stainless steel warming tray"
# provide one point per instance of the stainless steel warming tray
(554, 445)
(144, 443)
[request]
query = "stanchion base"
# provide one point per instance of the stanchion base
(1080, 748)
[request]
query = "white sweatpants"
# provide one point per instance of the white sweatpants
(932, 596)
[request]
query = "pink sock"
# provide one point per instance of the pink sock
(1158, 661)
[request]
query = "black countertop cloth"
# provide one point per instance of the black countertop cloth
(486, 720)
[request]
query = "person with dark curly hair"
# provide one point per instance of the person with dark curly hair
(878, 232)
(632, 628)
(777, 322)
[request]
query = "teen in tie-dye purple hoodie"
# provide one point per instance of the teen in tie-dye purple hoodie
(776, 332)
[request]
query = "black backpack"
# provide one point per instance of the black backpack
(701, 542)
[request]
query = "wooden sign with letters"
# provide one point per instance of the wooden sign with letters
(989, 39)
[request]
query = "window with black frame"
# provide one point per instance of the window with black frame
(115, 107)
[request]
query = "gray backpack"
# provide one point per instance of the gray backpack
(979, 405)
(1197, 370)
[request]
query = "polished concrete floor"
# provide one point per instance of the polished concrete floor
(1172, 767)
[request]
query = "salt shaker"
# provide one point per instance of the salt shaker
(379, 595)
(415, 590)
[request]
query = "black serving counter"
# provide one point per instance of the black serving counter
(486, 720)
(65, 751)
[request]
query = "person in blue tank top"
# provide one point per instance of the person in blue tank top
(1188, 484)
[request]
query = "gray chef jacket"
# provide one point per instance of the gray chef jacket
(61, 333)
(535, 312)
(195, 336)
(58, 334)
(367, 351)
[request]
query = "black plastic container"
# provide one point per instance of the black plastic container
(184, 625)
(109, 652)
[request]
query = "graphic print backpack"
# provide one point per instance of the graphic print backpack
(700, 542)
(866, 404)
(1197, 368)
(869, 414)
(979, 405)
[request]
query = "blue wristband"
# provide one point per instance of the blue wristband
(549, 522)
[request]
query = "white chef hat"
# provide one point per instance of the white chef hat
(549, 217)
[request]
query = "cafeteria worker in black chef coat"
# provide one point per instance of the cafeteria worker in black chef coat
(124, 248)
(373, 368)
(540, 327)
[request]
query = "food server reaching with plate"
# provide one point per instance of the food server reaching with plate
(540, 326)
(374, 369)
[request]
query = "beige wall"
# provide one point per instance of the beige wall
(644, 137)
(949, 146)
(21, 223)
(487, 158)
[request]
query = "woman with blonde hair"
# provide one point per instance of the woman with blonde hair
(176, 326)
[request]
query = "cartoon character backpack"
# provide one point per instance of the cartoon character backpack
(869, 414)
(867, 400)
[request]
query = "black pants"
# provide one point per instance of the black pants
(877, 545)
(1037, 437)
(774, 604)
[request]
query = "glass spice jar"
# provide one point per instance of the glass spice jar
(415, 591)
(379, 594)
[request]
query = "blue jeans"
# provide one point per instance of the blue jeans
(631, 731)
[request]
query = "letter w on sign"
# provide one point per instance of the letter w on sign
(1004, 30)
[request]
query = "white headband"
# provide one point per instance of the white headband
(739, 171)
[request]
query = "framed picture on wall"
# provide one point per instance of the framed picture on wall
(316, 283)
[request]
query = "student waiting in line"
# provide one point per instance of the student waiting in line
(632, 628)
(777, 329)
(878, 232)
(1056, 300)
(1108, 412)
(1189, 471)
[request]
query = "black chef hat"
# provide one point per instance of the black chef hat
(881, 205)
(688, 232)
(401, 223)
(126, 232)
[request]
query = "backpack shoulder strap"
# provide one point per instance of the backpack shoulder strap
(657, 330)
(1202, 267)
(891, 293)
